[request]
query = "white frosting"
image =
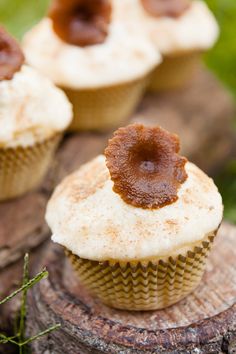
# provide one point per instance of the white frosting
(31, 109)
(91, 220)
(125, 55)
(195, 29)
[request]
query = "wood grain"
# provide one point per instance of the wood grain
(201, 323)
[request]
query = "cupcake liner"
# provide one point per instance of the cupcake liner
(175, 71)
(105, 108)
(23, 168)
(144, 285)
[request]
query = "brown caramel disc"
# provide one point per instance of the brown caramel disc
(11, 56)
(81, 22)
(145, 166)
(170, 8)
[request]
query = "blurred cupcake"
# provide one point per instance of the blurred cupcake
(101, 64)
(33, 114)
(137, 224)
(180, 29)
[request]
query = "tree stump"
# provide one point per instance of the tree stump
(204, 322)
(201, 114)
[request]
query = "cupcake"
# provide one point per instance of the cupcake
(180, 29)
(101, 64)
(33, 115)
(139, 222)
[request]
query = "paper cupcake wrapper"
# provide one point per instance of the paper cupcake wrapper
(145, 285)
(105, 108)
(174, 72)
(23, 168)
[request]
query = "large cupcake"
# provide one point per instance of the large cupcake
(180, 29)
(33, 115)
(101, 64)
(139, 222)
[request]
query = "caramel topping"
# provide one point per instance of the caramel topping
(11, 56)
(145, 166)
(81, 22)
(170, 8)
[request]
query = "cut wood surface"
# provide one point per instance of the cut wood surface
(204, 322)
(201, 114)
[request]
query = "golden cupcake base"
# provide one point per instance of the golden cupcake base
(174, 72)
(105, 108)
(23, 168)
(145, 285)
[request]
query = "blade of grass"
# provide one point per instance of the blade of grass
(41, 334)
(28, 285)
(21, 331)
(4, 339)
(23, 300)
(19, 339)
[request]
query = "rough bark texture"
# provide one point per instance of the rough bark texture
(201, 114)
(204, 322)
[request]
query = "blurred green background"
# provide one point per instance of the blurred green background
(19, 15)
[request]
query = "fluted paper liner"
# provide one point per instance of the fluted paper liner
(144, 285)
(105, 108)
(22, 168)
(174, 72)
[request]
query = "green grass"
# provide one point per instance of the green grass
(227, 184)
(19, 339)
(20, 15)
(222, 59)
